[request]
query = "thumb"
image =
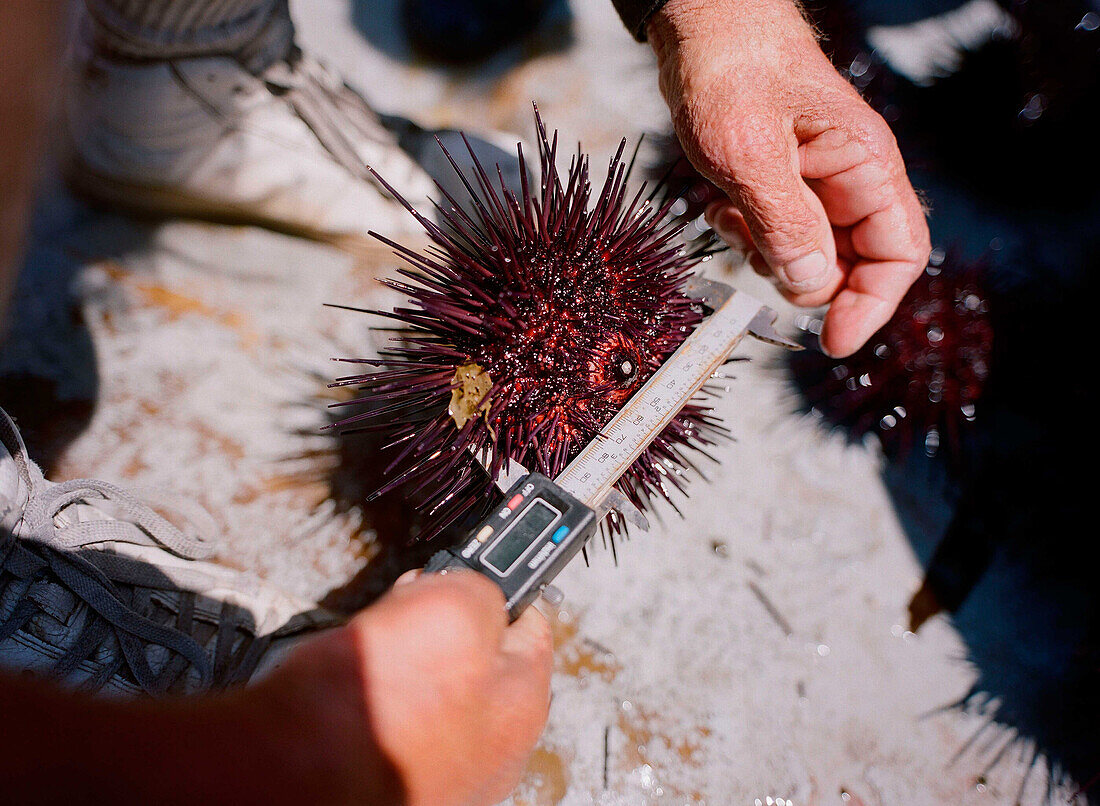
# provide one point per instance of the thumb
(787, 221)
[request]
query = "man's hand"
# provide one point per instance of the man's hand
(819, 193)
(429, 686)
(426, 698)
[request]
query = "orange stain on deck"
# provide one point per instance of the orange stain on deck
(545, 782)
(648, 741)
(176, 305)
(579, 657)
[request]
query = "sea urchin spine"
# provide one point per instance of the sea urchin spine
(533, 318)
(919, 379)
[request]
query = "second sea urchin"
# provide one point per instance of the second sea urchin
(920, 378)
(534, 316)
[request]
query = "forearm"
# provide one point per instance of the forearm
(28, 55)
(638, 14)
(57, 747)
(283, 738)
(766, 31)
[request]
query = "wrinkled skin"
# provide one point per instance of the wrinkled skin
(818, 193)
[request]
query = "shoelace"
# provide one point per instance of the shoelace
(42, 551)
(328, 106)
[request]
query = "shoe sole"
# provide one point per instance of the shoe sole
(159, 203)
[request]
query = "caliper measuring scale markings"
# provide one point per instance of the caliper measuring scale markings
(545, 522)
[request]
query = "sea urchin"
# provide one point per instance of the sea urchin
(533, 318)
(920, 378)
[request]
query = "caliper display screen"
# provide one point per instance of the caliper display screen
(511, 545)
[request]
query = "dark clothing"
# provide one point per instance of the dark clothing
(635, 14)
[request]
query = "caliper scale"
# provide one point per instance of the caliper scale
(544, 523)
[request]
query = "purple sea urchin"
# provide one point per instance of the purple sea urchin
(533, 318)
(919, 379)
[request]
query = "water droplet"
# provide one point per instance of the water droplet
(823, 650)
(931, 442)
(1034, 108)
(936, 258)
(935, 334)
(646, 777)
(1089, 22)
(860, 65)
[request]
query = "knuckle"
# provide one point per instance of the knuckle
(919, 260)
(874, 134)
(923, 248)
(919, 246)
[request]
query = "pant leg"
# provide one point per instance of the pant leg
(257, 32)
(28, 54)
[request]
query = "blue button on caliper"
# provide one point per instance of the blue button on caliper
(560, 534)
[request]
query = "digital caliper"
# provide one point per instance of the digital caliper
(543, 523)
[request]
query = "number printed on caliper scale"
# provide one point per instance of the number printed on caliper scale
(666, 392)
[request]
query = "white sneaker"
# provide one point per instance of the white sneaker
(202, 137)
(102, 593)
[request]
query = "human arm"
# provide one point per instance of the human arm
(818, 191)
(424, 698)
(28, 58)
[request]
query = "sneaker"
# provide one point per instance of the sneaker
(287, 148)
(102, 593)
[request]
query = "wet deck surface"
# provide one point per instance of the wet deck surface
(755, 651)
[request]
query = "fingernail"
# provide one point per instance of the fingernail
(807, 273)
